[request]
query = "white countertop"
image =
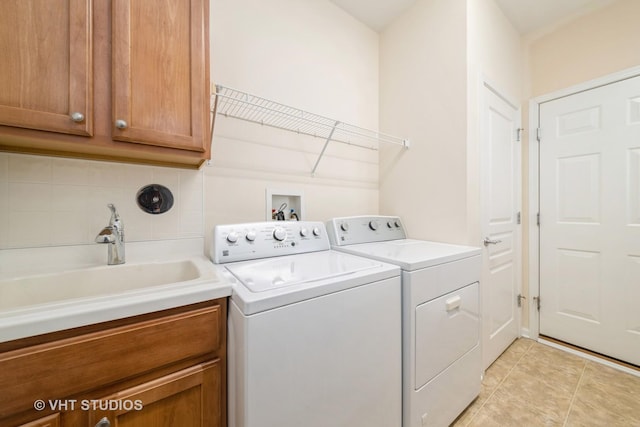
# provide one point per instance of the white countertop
(41, 318)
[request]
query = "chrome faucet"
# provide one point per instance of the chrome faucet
(113, 234)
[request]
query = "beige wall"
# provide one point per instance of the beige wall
(432, 61)
(423, 92)
(593, 45)
(313, 56)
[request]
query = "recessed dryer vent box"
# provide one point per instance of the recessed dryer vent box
(277, 199)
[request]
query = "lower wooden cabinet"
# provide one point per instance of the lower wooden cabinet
(185, 398)
(163, 369)
(48, 421)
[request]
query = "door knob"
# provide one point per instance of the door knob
(487, 241)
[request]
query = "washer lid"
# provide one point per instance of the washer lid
(280, 272)
(411, 254)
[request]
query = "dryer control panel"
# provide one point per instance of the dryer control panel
(241, 242)
(365, 229)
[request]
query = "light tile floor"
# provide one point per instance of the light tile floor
(532, 384)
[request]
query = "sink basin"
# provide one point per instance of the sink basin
(98, 281)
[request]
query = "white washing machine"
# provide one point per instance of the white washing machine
(442, 362)
(314, 334)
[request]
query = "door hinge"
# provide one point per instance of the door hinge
(538, 219)
(518, 218)
(519, 134)
(520, 298)
(538, 134)
(536, 301)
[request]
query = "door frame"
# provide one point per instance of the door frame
(534, 183)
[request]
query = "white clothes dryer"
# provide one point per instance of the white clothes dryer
(442, 361)
(314, 334)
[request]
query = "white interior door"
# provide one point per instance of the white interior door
(590, 219)
(500, 195)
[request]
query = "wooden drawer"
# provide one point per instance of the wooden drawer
(75, 364)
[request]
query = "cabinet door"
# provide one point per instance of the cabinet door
(188, 398)
(45, 71)
(49, 421)
(160, 73)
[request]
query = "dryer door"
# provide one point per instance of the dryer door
(446, 328)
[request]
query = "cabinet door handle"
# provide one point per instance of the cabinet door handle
(77, 117)
(104, 423)
(121, 124)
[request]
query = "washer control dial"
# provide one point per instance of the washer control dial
(304, 232)
(251, 236)
(232, 237)
(316, 231)
(344, 226)
(373, 225)
(279, 234)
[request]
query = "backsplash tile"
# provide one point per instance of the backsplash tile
(30, 169)
(69, 171)
(26, 229)
(4, 198)
(29, 197)
(48, 201)
(4, 167)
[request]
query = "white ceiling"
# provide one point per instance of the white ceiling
(526, 15)
(377, 14)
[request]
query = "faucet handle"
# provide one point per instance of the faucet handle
(105, 235)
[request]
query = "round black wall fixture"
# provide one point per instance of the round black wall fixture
(155, 199)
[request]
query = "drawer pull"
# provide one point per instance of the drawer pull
(453, 303)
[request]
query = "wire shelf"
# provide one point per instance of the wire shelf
(244, 106)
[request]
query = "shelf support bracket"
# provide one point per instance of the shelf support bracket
(313, 171)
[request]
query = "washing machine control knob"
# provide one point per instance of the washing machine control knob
(397, 224)
(251, 236)
(316, 231)
(390, 224)
(344, 226)
(373, 225)
(232, 237)
(279, 234)
(304, 232)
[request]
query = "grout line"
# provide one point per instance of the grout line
(500, 383)
(575, 392)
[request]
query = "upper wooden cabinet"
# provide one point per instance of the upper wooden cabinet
(45, 73)
(130, 77)
(158, 73)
